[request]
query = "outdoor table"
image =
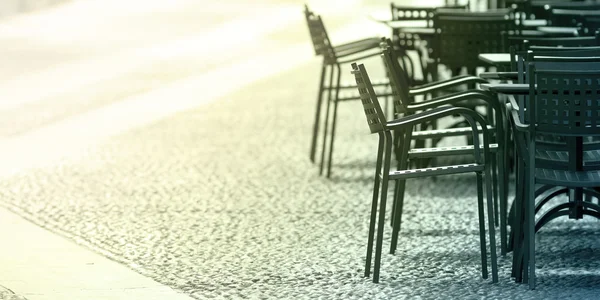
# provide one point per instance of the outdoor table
(421, 24)
(397, 24)
(549, 31)
(499, 60)
(560, 31)
(535, 22)
(506, 88)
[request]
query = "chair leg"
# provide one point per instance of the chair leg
(374, 206)
(492, 230)
(495, 190)
(502, 170)
(397, 212)
(398, 142)
(518, 238)
(382, 203)
(530, 202)
(313, 144)
(329, 99)
(481, 214)
(400, 187)
(335, 106)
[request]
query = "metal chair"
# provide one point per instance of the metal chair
(461, 37)
(404, 105)
(378, 123)
(417, 38)
(332, 56)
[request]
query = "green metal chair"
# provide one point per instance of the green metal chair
(404, 105)
(378, 123)
(562, 103)
(461, 37)
(417, 38)
(333, 57)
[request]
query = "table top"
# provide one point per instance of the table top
(495, 59)
(417, 30)
(559, 30)
(535, 23)
(506, 88)
(407, 24)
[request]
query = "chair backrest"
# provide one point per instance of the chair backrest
(560, 61)
(523, 43)
(565, 102)
(460, 39)
(414, 13)
(590, 25)
(373, 112)
(399, 81)
(318, 34)
(573, 17)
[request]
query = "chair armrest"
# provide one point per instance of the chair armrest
(455, 98)
(346, 46)
(434, 114)
(444, 84)
(500, 75)
(515, 118)
(355, 50)
(513, 103)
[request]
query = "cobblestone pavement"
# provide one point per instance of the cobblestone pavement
(8, 294)
(222, 202)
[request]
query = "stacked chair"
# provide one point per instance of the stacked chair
(548, 117)
(559, 106)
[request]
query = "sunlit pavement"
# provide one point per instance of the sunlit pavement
(173, 138)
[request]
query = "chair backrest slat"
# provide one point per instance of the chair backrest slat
(399, 80)
(373, 112)
(318, 34)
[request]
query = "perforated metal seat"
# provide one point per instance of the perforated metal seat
(378, 123)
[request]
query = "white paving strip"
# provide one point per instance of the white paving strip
(71, 76)
(46, 145)
(39, 265)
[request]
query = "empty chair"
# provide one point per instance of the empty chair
(331, 63)
(377, 123)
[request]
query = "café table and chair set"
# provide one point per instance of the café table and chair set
(534, 110)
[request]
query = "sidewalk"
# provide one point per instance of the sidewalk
(37, 264)
(10, 8)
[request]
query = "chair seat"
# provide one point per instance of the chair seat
(445, 151)
(591, 159)
(568, 178)
(440, 133)
(436, 171)
(354, 95)
(358, 46)
(352, 84)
